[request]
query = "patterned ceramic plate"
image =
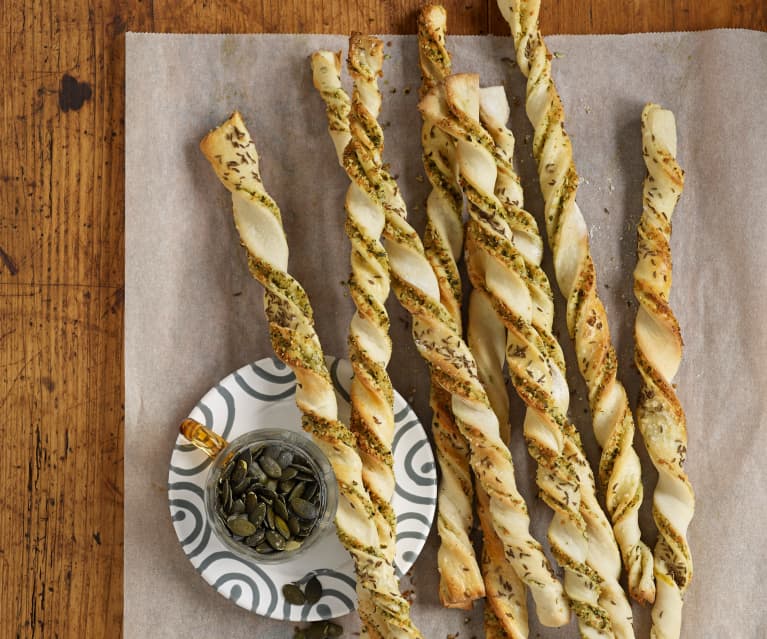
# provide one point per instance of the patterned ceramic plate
(261, 395)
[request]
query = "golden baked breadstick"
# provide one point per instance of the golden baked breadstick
(519, 291)
(658, 353)
(619, 469)
(372, 417)
(460, 579)
(233, 156)
(452, 364)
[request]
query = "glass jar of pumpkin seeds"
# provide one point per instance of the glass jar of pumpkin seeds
(270, 494)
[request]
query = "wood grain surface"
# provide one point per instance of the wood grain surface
(61, 262)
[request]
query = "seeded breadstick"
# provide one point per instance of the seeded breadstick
(460, 579)
(619, 470)
(503, 257)
(233, 156)
(506, 606)
(372, 418)
(658, 353)
(438, 340)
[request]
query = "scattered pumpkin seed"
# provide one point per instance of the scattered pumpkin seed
(270, 517)
(313, 590)
(282, 527)
(294, 525)
(251, 502)
(293, 595)
(239, 472)
(280, 509)
(292, 545)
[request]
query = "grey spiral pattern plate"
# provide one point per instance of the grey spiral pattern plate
(261, 395)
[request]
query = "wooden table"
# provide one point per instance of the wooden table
(61, 262)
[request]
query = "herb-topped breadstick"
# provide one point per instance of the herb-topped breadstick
(658, 353)
(233, 156)
(503, 256)
(460, 578)
(372, 418)
(439, 341)
(619, 470)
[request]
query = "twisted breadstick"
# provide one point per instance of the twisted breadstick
(512, 281)
(372, 417)
(506, 606)
(658, 353)
(233, 156)
(439, 342)
(603, 555)
(460, 578)
(619, 469)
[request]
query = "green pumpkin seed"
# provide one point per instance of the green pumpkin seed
(316, 631)
(240, 526)
(333, 629)
(311, 491)
(245, 455)
(273, 451)
(238, 507)
(251, 502)
(272, 484)
(275, 540)
(297, 490)
(294, 525)
(301, 465)
(270, 467)
(226, 498)
(255, 471)
(306, 530)
(304, 509)
(293, 595)
(255, 539)
(288, 473)
(313, 590)
(284, 458)
(240, 487)
(257, 516)
(305, 477)
(286, 486)
(264, 548)
(293, 544)
(267, 494)
(239, 472)
(280, 509)
(282, 527)
(270, 517)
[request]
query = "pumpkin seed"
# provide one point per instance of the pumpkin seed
(267, 494)
(239, 472)
(280, 509)
(270, 517)
(271, 484)
(246, 456)
(286, 486)
(313, 590)
(293, 595)
(333, 629)
(240, 526)
(256, 472)
(251, 502)
(306, 530)
(257, 516)
(275, 540)
(288, 473)
(282, 527)
(292, 545)
(302, 467)
(284, 458)
(226, 498)
(304, 509)
(311, 491)
(240, 487)
(256, 538)
(316, 631)
(294, 525)
(270, 467)
(238, 507)
(297, 490)
(264, 548)
(273, 451)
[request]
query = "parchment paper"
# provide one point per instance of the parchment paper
(193, 313)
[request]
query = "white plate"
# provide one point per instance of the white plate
(261, 395)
